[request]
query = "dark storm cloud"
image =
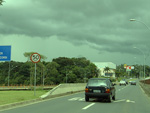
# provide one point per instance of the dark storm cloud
(102, 24)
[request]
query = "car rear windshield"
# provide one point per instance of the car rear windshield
(122, 81)
(97, 82)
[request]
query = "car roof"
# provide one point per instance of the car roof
(107, 79)
(99, 79)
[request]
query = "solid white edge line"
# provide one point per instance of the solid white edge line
(88, 106)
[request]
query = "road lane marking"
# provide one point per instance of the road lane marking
(122, 88)
(73, 99)
(119, 89)
(82, 99)
(88, 106)
(77, 99)
(130, 101)
(120, 100)
(125, 101)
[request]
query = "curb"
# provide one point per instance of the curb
(6, 106)
(9, 106)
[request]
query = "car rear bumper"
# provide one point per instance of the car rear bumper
(97, 95)
(122, 84)
(133, 84)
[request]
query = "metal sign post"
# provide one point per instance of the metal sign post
(35, 58)
(35, 81)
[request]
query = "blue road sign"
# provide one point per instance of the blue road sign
(5, 53)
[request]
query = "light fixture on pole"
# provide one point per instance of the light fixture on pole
(140, 22)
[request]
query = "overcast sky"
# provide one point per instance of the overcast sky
(99, 30)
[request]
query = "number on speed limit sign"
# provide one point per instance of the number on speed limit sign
(35, 57)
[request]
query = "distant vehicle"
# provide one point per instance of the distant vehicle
(100, 88)
(122, 82)
(125, 81)
(133, 82)
(130, 81)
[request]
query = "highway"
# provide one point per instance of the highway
(129, 99)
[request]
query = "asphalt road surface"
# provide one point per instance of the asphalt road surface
(129, 99)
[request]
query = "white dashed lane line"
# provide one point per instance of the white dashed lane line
(122, 88)
(88, 106)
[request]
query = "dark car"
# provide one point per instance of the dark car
(133, 82)
(126, 82)
(101, 88)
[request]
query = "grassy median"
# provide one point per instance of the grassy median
(8, 97)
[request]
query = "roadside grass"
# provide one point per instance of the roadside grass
(8, 97)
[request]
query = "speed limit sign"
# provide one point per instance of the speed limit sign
(35, 57)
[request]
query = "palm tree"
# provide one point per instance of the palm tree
(106, 69)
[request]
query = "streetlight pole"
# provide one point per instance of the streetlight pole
(137, 48)
(144, 58)
(140, 75)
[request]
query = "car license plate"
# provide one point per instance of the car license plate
(96, 91)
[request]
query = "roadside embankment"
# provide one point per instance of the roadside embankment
(145, 84)
(64, 89)
(25, 88)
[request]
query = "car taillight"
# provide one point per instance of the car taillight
(86, 90)
(107, 91)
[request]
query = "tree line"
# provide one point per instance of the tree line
(137, 72)
(59, 70)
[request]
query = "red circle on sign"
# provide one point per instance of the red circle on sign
(35, 57)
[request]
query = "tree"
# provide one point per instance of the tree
(63, 61)
(81, 62)
(52, 73)
(106, 69)
(71, 78)
(1, 1)
(28, 54)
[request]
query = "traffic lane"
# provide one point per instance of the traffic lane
(134, 95)
(61, 103)
(56, 105)
(130, 99)
(127, 100)
(50, 105)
